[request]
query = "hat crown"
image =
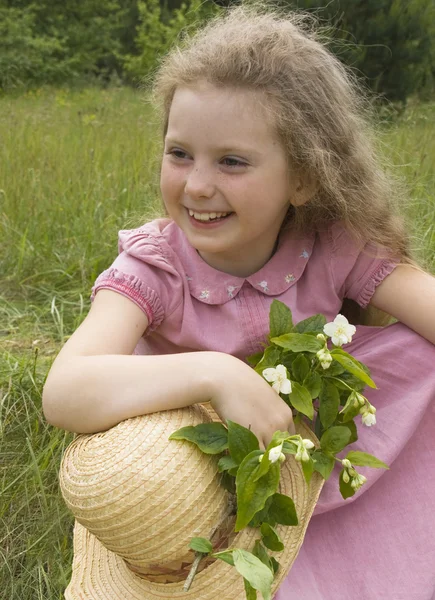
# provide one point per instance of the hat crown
(142, 495)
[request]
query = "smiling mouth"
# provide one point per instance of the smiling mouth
(211, 216)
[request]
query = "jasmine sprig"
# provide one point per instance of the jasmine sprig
(320, 382)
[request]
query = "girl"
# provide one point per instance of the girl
(272, 190)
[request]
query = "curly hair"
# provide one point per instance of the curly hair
(321, 115)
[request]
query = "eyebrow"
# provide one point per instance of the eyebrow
(221, 149)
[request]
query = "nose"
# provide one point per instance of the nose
(200, 182)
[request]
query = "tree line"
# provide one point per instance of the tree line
(389, 43)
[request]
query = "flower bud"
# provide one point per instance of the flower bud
(275, 453)
(346, 463)
(321, 337)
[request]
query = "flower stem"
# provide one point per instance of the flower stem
(231, 509)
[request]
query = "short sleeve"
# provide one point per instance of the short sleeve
(144, 272)
(357, 269)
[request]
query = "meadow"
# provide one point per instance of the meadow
(75, 167)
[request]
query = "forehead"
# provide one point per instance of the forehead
(215, 113)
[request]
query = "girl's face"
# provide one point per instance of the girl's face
(225, 178)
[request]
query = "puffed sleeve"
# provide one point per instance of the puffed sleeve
(144, 272)
(357, 269)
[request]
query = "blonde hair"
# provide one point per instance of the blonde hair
(319, 112)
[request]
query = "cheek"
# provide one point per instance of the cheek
(171, 180)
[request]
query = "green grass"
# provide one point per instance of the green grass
(74, 168)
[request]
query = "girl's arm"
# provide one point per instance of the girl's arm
(408, 294)
(95, 382)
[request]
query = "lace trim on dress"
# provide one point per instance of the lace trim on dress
(136, 290)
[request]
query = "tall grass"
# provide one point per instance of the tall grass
(74, 168)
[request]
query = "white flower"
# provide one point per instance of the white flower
(325, 358)
(358, 481)
(340, 330)
(349, 473)
(275, 454)
(368, 415)
(303, 446)
(278, 377)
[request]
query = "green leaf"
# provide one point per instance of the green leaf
(307, 469)
(300, 368)
(226, 556)
(351, 408)
(262, 516)
(277, 438)
(252, 495)
(335, 439)
(271, 538)
(313, 324)
(329, 403)
(200, 544)
(318, 427)
(280, 319)
(228, 482)
(300, 399)
(250, 593)
(263, 468)
(254, 359)
(363, 459)
(313, 383)
(289, 448)
(323, 464)
(346, 490)
(211, 438)
(298, 342)
(260, 552)
(241, 441)
(251, 568)
(271, 357)
(352, 365)
(275, 565)
(282, 510)
(333, 370)
(226, 463)
(353, 431)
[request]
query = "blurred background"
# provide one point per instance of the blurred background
(79, 160)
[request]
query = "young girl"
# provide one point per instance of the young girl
(272, 190)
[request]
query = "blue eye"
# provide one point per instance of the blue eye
(176, 153)
(234, 162)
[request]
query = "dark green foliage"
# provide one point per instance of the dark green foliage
(388, 42)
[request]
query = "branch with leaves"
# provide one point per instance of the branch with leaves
(307, 367)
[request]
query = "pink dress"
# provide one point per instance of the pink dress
(380, 544)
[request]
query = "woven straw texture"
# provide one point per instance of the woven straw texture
(139, 498)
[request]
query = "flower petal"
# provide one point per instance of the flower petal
(286, 387)
(341, 320)
(329, 329)
(281, 370)
(270, 374)
(277, 386)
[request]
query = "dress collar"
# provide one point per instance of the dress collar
(215, 287)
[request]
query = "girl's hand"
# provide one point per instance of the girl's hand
(238, 393)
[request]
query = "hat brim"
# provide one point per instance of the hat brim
(99, 574)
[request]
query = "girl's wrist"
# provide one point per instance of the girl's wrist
(214, 369)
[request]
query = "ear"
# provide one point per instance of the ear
(304, 188)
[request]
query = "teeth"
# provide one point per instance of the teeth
(207, 216)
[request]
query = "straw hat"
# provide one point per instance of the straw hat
(139, 498)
